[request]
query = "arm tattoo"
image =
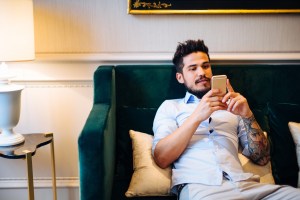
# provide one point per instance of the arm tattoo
(257, 142)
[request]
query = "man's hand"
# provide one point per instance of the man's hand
(210, 102)
(171, 147)
(237, 104)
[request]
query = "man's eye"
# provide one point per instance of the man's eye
(205, 66)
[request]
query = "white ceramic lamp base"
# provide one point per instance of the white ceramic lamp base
(10, 101)
(9, 138)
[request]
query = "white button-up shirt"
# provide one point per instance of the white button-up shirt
(212, 150)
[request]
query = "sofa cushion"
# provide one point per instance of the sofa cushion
(283, 151)
(295, 130)
(139, 92)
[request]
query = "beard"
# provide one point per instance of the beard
(198, 93)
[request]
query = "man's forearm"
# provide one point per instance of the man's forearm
(171, 147)
(258, 145)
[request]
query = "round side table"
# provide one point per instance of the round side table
(28, 149)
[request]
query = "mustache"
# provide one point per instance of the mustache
(202, 78)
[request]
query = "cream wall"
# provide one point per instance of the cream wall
(73, 37)
(101, 26)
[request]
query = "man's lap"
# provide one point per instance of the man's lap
(239, 190)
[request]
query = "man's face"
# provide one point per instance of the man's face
(196, 74)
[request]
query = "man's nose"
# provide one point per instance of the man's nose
(200, 71)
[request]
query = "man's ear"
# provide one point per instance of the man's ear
(179, 77)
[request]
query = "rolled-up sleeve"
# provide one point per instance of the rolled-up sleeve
(164, 121)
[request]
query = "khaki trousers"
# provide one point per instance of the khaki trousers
(244, 190)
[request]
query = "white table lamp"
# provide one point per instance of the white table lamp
(16, 44)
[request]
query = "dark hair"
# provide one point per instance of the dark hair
(186, 48)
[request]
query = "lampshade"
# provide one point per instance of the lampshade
(16, 44)
(17, 30)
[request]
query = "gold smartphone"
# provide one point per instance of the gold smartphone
(219, 82)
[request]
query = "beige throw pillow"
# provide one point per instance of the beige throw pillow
(148, 179)
(295, 131)
(265, 172)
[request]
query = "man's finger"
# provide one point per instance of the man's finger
(229, 87)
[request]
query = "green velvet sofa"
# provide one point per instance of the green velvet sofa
(127, 97)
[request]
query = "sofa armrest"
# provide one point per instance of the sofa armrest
(96, 145)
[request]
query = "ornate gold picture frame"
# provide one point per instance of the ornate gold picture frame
(212, 6)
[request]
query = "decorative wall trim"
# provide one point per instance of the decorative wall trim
(55, 83)
(76, 70)
(40, 182)
(165, 57)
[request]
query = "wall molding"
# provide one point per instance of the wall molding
(39, 182)
(55, 83)
(165, 57)
(79, 68)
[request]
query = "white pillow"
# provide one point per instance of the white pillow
(148, 179)
(295, 131)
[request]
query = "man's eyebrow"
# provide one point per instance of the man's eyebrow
(194, 65)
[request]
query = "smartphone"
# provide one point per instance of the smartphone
(219, 82)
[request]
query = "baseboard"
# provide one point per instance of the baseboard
(40, 182)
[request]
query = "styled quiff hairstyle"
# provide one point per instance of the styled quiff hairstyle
(186, 48)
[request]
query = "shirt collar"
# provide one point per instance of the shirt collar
(190, 98)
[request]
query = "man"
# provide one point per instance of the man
(199, 135)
